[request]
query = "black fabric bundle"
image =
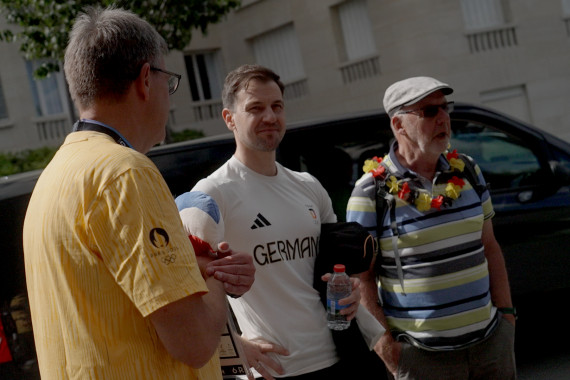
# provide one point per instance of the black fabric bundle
(350, 244)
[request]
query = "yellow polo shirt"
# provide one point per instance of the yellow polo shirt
(104, 247)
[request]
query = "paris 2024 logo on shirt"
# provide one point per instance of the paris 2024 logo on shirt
(159, 239)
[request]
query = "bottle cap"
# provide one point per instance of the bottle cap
(339, 268)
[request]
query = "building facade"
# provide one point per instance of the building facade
(338, 57)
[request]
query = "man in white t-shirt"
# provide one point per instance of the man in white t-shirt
(259, 206)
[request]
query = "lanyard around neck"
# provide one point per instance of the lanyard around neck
(83, 125)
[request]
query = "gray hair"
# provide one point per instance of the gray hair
(106, 51)
(395, 111)
(239, 79)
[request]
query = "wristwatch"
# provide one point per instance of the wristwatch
(509, 310)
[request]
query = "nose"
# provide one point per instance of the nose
(442, 120)
(442, 114)
(269, 115)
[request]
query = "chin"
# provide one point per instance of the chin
(443, 143)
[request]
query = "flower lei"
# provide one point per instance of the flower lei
(420, 198)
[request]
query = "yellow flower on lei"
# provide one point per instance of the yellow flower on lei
(370, 165)
(423, 202)
(452, 190)
(392, 184)
(457, 163)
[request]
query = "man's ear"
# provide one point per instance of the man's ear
(397, 125)
(142, 83)
(228, 118)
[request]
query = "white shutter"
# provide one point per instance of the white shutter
(566, 7)
(214, 70)
(512, 101)
(279, 50)
(480, 14)
(49, 93)
(205, 72)
(356, 29)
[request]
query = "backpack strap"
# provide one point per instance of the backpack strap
(471, 175)
(385, 202)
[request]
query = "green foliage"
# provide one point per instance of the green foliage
(187, 134)
(43, 25)
(12, 163)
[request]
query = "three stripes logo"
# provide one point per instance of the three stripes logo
(260, 222)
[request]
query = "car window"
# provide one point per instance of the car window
(335, 153)
(336, 149)
(506, 162)
(561, 156)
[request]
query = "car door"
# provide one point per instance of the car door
(532, 221)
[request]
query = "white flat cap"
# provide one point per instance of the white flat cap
(409, 91)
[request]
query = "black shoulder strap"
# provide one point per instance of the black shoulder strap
(87, 126)
(472, 176)
(386, 202)
(382, 208)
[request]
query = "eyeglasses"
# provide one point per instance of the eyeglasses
(432, 110)
(173, 80)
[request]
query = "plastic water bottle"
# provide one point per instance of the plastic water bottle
(338, 287)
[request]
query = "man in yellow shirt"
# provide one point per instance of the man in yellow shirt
(115, 289)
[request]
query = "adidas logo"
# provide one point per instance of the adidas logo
(259, 222)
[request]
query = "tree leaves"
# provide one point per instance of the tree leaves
(42, 27)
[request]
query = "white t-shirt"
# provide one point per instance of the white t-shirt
(278, 220)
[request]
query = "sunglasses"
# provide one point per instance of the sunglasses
(432, 110)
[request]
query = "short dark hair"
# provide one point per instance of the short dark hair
(239, 78)
(106, 51)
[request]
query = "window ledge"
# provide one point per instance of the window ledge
(499, 37)
(246, 4)
(360, 69)
(358, 60)
(488, 29)
(6, 123)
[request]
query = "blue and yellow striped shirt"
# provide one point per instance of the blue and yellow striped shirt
(446, 302)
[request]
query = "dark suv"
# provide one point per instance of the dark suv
(528, 171)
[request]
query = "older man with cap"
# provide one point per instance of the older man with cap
(439, 283)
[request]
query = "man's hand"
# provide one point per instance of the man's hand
(389, 351)
(511, 318)
(352, 301)
(234, 269)
(203, 262)
(256, 354)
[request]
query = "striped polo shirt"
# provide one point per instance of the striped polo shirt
(445, 302)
